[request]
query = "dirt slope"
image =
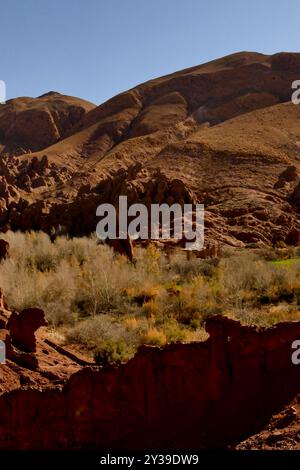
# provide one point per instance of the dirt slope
(282, 432)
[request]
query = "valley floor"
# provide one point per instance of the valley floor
(100, 304)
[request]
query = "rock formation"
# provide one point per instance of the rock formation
(223, 133)
(22, 327)
(194, 396)
(4, 249)
(123, 247)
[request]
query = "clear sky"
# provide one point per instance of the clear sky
(95, 49)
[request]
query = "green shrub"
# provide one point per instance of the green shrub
(112, 352)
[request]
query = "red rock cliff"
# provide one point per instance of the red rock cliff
(199, 395)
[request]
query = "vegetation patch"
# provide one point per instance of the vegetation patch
(109, 306)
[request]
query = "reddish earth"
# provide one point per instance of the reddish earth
(224, 133)
(195, 395)
(282, 432)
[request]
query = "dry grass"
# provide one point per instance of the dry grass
(107, 304)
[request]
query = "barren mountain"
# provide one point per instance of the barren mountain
(224, 133)
(35, 123)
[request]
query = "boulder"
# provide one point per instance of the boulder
(295, 197)
(22, 327)
(288, 175)
(4, 249)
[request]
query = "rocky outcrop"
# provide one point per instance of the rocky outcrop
(295, 197)
(288, 175)
(281, 433)
(199, 395)
(4, 249)
(223, 133)
(22, 327)
(31, 359)
(17, 331)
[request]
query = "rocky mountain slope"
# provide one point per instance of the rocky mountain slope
(224, 133)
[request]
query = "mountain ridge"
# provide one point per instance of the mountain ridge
(226, 130)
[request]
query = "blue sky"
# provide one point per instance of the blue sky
(95, 49)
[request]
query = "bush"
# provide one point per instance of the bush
(173, 331)
(194, 267)
(154, 337)
(150, 308)
(112, 352)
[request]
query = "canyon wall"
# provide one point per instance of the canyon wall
(209, 394)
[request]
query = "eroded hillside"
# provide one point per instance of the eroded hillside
(223, 133)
